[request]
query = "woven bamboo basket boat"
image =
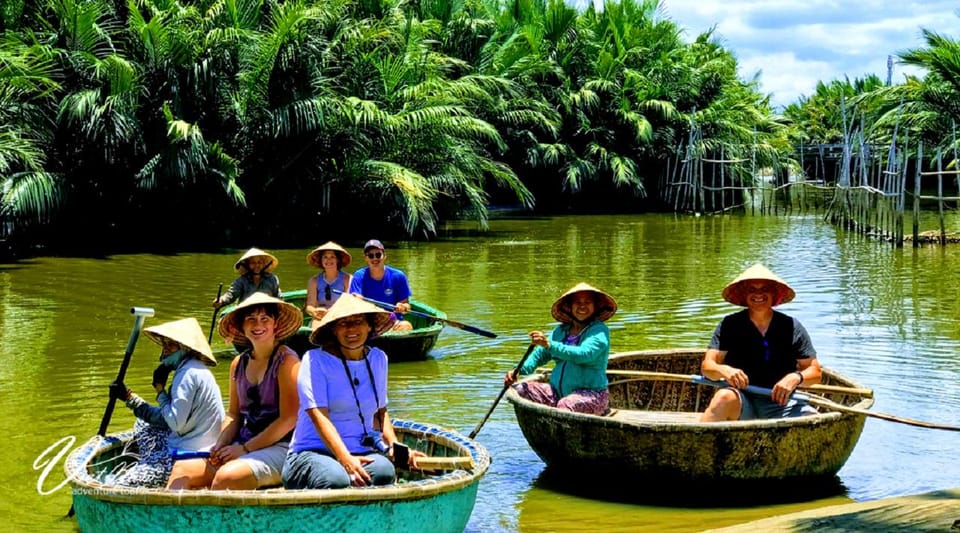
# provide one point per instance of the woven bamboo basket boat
(440, 501)
(653, 432)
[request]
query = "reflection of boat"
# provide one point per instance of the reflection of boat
(439, 502)
(410, 345)
(653, 431)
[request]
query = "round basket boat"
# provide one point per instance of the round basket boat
(653, 433)
(440, 501)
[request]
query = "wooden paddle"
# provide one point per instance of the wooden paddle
(516, 371)
(819, 402)
(401, 458)
(642, 375)
(139, 313)
(213, 321)
(454, 323)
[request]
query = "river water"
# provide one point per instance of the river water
(888, 318)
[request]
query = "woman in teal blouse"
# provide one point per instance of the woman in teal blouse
(580, 345)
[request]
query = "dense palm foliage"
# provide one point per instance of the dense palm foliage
(213, 121)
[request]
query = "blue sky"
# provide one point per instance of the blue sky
(794, 44)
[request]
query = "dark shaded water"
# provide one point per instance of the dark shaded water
(888, 318)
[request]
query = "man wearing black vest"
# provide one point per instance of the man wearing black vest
(759, 346)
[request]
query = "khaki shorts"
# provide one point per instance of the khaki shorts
(267, 463)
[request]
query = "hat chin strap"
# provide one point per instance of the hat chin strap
(345, 347)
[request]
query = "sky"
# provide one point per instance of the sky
(793, 44)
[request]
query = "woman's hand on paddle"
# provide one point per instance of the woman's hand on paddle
(540, 339)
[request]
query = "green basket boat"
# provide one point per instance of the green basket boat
(653, 433)
(400, 346)
(417, 502)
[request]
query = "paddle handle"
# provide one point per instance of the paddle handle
(180, 455)
(516, 371)
(139, 313)
(445, 463)
(663, 376)
(213, 321)
(828, 404)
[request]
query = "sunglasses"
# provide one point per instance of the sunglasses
(327, 293)
(253, 394)
(375, 255)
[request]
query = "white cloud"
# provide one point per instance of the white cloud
(796, 43)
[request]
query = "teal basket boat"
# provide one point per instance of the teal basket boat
(439, 501)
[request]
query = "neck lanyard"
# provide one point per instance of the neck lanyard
(353, 386)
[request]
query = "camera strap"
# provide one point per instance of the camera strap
(353, 386)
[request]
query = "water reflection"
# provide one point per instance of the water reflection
(690, 495)
(888, 318)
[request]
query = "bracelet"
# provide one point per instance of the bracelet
(801, 377)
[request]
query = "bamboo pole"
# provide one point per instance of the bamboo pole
(903, 194)
(916, 197)
(943, 229)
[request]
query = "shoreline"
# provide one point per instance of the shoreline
(930, 511)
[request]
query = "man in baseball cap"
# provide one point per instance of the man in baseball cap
(383, 283)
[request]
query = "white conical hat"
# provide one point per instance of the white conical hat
(187, 332)
(288, 322)
(241, 264)
(734, 295)
(349, 305)
(605, 305)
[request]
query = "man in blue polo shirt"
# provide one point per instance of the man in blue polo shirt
(380, 282)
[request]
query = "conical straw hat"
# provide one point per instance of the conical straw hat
(187, 332)
(313, 257)
(241, 264)
(288, 322)
(734, 295)
(604, 308)
(349, 305)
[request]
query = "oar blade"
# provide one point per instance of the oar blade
(478, 331)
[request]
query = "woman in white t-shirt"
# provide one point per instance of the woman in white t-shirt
(343, 435)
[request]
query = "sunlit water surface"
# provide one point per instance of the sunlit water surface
(886, 317)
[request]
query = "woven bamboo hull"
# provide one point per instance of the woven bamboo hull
(654, 434)
(400, 346)
(441, 502)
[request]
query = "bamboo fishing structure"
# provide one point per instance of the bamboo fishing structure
(855, 185)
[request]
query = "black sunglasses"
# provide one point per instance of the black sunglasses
(375, 255)
(253, 394)
(327, 293)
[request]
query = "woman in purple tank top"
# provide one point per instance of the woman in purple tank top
(263, 404)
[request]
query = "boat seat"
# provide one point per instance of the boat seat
(630, 415)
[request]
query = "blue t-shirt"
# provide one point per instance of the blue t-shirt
(391, 289)
(323, 383)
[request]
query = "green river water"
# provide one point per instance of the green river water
(888, 318)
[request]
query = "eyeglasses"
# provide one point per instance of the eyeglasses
(327, 293)
(766, 350)
(374, 255)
